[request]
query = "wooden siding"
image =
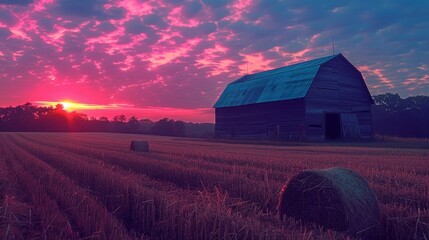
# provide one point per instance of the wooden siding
(282, 120)
(337, 88)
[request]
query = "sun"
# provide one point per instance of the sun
(67, 105)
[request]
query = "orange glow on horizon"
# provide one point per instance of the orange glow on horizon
(197, 115)
(75, 106)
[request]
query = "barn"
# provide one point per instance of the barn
(316, 100)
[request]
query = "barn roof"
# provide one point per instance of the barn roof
(285, 83)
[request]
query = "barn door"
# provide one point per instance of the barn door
(350, 126)
(332, 126)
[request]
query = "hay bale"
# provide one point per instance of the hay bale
(335, 198)
(139, 146)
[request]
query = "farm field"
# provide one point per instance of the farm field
(90, 186)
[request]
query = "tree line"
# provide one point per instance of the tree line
(30, 118)
(401, 117)
(392, 116)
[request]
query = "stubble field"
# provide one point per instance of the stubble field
(90, 186)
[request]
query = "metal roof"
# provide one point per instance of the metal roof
(285, 83)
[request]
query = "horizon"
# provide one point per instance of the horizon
(153, 114)
(97, 111)
(162, 59)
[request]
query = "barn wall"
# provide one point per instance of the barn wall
(337, 88)
(281, 120)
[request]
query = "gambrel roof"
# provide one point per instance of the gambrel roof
(285, 83)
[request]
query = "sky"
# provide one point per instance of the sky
(173, 58)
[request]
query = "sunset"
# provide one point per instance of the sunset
(214, 119)
(154, 55)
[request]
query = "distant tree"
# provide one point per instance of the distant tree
(120, 118)
(395, 116)
(146, 125)
(119, 123)
(55, 120)
(103, 119)
(103, 125)
(169, 127)
(43, 111)
(59, 107)
(20, 118)
(27, 117)
(78, 116)
(416, 102)
(133, 124)
(393, 102)
(200, 130)
(133, 120)
(389, 101)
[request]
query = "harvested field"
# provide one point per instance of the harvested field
(90, 185)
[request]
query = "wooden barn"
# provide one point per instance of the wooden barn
(321, 99)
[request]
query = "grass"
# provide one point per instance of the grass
(89, 185)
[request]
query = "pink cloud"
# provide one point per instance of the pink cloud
(41, 5)
(379, 74)
(25, 27)
(17, 54)
(238, 10)
(136, 7)
(254, 63)
(423, 67)
(216, 60)
(177, 19)
(56, 38)
(292, 57)
(52, 74)
(19, 31)
(424, 80)
(110, 41)
(165, 53)
(409, 81)
(127, 64)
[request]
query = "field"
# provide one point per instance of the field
(90, 186)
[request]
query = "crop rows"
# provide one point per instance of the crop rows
(172, 213)
(187, 189)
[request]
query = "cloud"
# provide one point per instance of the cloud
(106, 27)
(15, 2)
(7, 18)
(191, 9)
(202, 29)
(216, 3)
(135, 26)
(155, 20)
(115, 13)
(86, 9)
(4, 33)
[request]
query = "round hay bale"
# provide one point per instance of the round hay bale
(139, 146)
(335, 198)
